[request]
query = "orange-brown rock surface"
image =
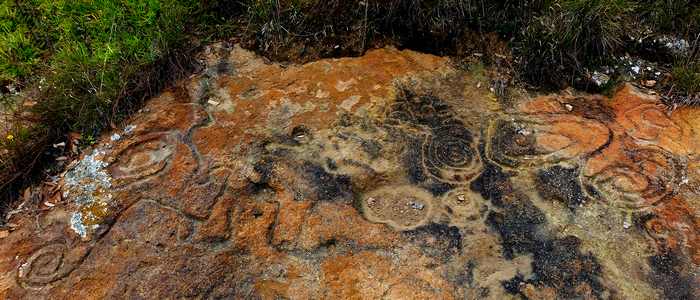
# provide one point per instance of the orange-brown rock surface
(393, 175)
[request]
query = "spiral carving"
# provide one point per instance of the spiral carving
(143, 158)
(449, 155)
(542, 139)
(46, 265)
(648, 177)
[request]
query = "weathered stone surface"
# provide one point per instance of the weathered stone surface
(385, 176)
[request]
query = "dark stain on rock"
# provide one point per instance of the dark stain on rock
(439, 188)
(372, 148)
(326, 186)
(592, 109)
(416, 172)
(421, 110)
(224, 67)
(493, 183)
(344, 120)
(249, 93)
(592, 192)
(412, 162)
(561, 184)
(669, 274)
(466, 276)
(517, 228)
(557, 262)
(263, 169)
(512, 285)
(331, 164)
(437, 240)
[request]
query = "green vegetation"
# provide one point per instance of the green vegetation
(308, 29)
(571, 36)
(675, 16)
(88, 63)
(553, 41)
(687, 78)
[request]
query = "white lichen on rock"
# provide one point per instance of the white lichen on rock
(87, 185)
(76, 223)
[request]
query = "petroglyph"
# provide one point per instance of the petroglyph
(384, 175)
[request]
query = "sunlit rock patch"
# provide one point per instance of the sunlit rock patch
(392, 175)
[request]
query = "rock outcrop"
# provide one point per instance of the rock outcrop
(393, 175)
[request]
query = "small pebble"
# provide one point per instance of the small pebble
(129, 129)
(418, 206)
(371, 201)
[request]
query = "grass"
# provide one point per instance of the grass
(571, 36)
(672, 16)
(86, 64)
(686, 79)
(310, 29)
(555, 41)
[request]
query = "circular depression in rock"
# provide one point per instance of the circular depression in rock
(403, 207)
(461, 206)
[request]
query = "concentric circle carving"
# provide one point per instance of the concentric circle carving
(648, 176)
(45, 265)
(450, 156)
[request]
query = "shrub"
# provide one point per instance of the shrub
(573, 35)
(681, 17)
(686, 79)
(283, 27)
(20, 50)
